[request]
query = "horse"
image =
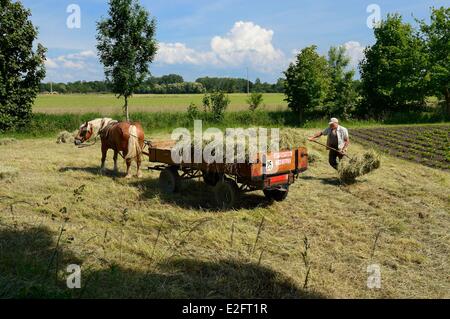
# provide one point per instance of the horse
(125, 137)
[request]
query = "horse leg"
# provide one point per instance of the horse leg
(138, 163)
(104, 152)
(115, 161)
(128, 161)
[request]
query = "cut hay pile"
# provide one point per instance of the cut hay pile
(314, 156)
(7, 172)
(289, 139)
(66, 137)
(350, 169)
(7, 141)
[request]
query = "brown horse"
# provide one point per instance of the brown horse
(124, 137)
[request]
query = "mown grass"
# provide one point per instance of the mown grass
(109, 104)
(133, 241)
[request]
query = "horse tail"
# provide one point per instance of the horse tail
(134, 148)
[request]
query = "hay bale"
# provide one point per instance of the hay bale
(7, 141)
(7, 172)
(66, 137)
(288, 139)
(291, 139)
(350, 169)
(371, 161)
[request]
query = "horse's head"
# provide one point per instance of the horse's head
(84, 134)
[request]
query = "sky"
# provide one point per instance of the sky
(222, 38)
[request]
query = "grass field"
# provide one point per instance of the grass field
(133, 241)
(109, 104)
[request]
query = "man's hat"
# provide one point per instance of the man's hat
(333, 120)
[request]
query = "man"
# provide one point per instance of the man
(337, 139)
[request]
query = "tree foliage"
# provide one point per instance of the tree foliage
(126, 46)
(307, 82)
(174, 88)
(216, 103)
(77, 87)
(342, 95)
(255, 100)
(168, 79)
(264, 87)
(21, 67)
(228, 85)
(393, 70)
(436, 37)
(166, 84)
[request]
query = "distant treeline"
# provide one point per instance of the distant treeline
(170, 84)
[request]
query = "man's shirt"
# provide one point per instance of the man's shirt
(341, 133)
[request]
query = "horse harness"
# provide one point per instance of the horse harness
(104, 132)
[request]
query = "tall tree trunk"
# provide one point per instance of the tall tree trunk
(300, 116)
(126, 108)
(447, 100)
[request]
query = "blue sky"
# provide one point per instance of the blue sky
(218, 38)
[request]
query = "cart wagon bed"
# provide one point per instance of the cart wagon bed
(272, 173)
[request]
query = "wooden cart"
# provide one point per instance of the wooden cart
(272, 173)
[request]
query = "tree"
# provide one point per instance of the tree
(21, 67)
(393, 70)
(342, 95)
(279, 86)
(170, 79)
(436, 38)
(307, 82)
(257, 87)
(126, 46)
(255, 100)
(229, 85)
(216, 103)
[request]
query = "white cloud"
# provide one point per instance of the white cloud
(76, 61)
(179, 53)
(248, 43)
(355, 51)
(245, 44)
(82, 65)
(73, 65)
(82, 55)
(65, 62)
(50, 64)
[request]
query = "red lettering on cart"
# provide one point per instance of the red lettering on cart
(286, 161)
(282, 154)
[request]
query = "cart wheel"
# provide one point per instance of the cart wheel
(169, 180)
(210, 178)
(226, 193)
(276, 194)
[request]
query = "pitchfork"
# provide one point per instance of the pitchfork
(330, 148)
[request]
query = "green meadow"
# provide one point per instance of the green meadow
(108, 104)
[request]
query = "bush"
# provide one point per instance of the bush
(254, 101)
(216, 103)
(193, 112)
